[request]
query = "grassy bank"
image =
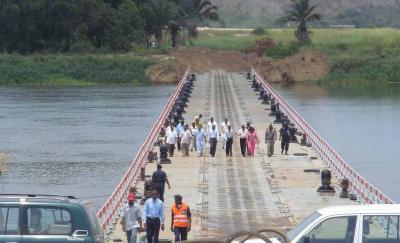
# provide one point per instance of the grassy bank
(58, 69)
(367, 55)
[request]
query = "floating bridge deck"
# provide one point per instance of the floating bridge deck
(228, 194)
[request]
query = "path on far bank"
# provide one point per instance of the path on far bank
(306, 65)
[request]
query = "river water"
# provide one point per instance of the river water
(80, 140)
(76, 140)
(361, 122)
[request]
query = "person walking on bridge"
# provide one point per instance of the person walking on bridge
(201, 140)
(270, 138)
(193, 131)
(181, 219)
(211, 123)
(198, 120)
(242, 133)
(251, 140)
(229, 141)
(172, 136)
(153, 217)
(223, 128)
(284, 137)
(213, 138)
(185, 140)
(131, 219)
(159, 179)
(179, 129)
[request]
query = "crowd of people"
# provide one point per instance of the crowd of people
(194, 137)
(152, 218)
(188, 139)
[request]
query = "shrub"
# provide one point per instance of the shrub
(282, 50)
(259, 31)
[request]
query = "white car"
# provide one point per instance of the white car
(348, 224)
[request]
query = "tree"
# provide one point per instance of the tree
(204, 10)
(124, 26)
(198, 12)
(302, 13)
(159, 15)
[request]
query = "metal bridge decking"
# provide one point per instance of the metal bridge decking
(231, 194)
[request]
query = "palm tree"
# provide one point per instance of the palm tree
(159, 14)
(302, 13)
(200, 12)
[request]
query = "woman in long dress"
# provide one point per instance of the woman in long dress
(251, 140)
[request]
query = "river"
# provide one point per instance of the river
(80, 140)
(74, 140)
(359, 121)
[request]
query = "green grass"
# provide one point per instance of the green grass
(365, 55)
(72, 69)
(225, 40)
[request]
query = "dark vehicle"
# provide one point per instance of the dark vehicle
(48, 218)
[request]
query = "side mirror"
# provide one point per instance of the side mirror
(80, 233)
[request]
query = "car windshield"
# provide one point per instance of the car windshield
(300, 227)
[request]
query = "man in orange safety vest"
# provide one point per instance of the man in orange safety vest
(181, 219)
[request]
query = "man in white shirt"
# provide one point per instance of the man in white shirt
(223, 129)
(172, 136)
(210, 124)
(213, 137)
(131, 219)
(193, 130)
(242, 136)
(185, 136)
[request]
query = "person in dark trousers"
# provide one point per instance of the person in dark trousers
(242, 136)
(172, 137)
(159, 179)
(181, 219)
(229, 141)
(179, 130)
(213, 134)
(284, 137)
(153, 217)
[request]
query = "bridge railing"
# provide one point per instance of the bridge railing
(108, 213)
(365, 191)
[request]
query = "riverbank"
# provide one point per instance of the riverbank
(333, 56)
(73, 69)
(355, 55)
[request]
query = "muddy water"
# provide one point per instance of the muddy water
(360, 121)
(73, 141)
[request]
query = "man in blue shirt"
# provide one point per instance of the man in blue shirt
(154, 217)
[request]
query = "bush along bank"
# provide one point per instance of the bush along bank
(58, 69)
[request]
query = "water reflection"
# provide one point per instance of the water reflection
(74, 141)
(359, 121)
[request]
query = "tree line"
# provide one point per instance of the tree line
(29, 26)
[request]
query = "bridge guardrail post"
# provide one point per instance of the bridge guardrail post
(366, 192)
(110, 211)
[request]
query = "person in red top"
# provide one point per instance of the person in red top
(252, 140)
(181, 219)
